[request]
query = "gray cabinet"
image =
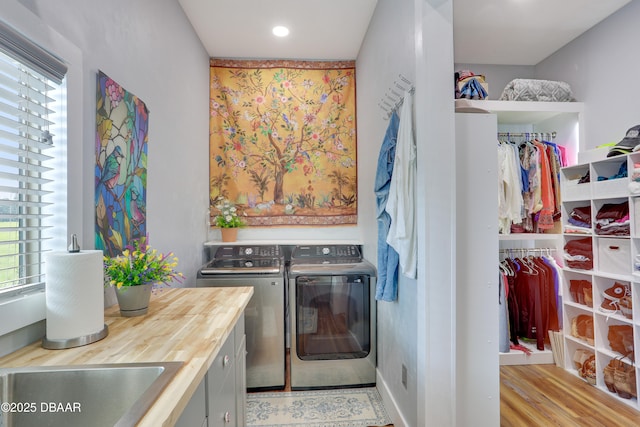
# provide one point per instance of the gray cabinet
(220, 399)
(226, 382)
(241, 382)
(221, 387)
(195, 413)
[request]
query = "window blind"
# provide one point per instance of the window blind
(28, 75)
(17, 46)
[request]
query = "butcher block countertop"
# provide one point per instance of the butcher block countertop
(183, 324)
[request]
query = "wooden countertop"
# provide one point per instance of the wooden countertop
(183, 324)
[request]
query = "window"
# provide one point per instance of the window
(30, 78)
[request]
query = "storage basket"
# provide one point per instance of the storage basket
(614, 256)
(624, 380)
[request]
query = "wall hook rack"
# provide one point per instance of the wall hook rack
(405, 85)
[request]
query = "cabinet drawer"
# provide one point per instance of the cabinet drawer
(222, 365)
(222, 404)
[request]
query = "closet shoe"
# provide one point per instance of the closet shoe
(626, 306)
(621, 338)
(615, 292)
(581, 292)
(609, 307)
(588, 298)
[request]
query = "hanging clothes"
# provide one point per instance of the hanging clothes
(510, 203)
(555, 164)
(532, 285)
(503, 313)
(402, 194)
(388, 259)
(529, 192)
(545, 219)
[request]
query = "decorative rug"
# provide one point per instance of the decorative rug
(360, 407)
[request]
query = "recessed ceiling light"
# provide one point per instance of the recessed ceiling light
(280, 31)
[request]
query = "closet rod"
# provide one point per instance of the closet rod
(525, 134)
(527, 250)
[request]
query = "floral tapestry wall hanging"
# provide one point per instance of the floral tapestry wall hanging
(122, 123)
(282, 141)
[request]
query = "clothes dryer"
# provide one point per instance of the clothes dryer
(332, 317)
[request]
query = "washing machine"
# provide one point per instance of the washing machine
(263, 267)
(332, 317)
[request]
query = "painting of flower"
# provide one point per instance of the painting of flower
(122, 123)
(282, 140)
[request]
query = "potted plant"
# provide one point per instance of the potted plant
(227, 219)
(136, 272)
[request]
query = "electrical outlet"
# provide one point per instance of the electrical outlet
(404, 376)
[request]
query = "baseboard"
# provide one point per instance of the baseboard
(389, 402)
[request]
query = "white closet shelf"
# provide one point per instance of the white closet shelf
(529, 236)
(518, 357)
(613, 265)
(531, 112)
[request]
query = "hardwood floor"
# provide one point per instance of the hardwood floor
(545, 395)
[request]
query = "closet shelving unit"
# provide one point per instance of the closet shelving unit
(566, 119)
(609, 267)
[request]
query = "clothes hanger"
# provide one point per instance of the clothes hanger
(531, 264)
(504, 266)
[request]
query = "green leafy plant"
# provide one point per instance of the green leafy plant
(139, 265)
(227, 214)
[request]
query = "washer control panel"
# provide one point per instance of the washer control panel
(267, 251)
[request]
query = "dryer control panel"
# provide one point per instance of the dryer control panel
(324, 252)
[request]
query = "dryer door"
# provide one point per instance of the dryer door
(332, 317)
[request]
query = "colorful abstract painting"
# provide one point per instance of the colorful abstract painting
(282, 141)
(122, 124)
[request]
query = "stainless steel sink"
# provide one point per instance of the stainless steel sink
(85, 395)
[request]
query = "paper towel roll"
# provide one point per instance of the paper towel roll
(74, 294)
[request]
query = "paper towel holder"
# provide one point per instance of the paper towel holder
(75, 342)
(74, 246)
(60, 344)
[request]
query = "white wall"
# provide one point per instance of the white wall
(477, 358)
(601, 67)
(415, 38)
(387, 51)
(150, 48)
(436, 296)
